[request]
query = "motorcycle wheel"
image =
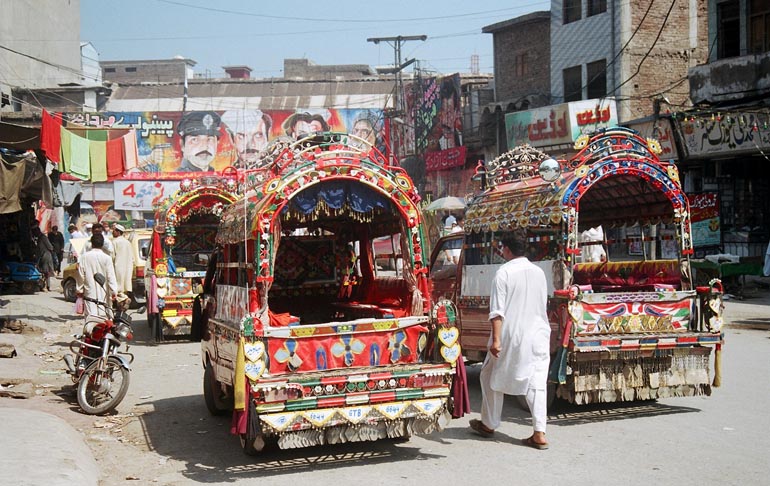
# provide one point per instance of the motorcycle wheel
(101, 391)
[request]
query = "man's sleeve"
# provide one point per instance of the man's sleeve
(82, 280)
(497, 297)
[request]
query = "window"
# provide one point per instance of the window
(130, 69)
(109, 70)
(520, 65)
(596, 74)
(572, 10)
(595, 7)
(573, 84)
(759, 26)
(729, 33)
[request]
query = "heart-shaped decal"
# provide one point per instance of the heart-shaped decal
(715, 305)
(450, 353)
(448, 336)
(255, 370)
(254, 351)
(162, 291)
(161, 281)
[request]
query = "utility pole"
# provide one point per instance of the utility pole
(398, 67)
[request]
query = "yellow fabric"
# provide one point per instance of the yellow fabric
(98, 152)
(240, 379)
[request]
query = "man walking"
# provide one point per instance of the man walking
(57, 242)
(92, 262)
(107, 248)
(124, 259)
(517, 362)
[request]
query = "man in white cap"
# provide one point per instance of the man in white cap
(124, 259)
(249, 130)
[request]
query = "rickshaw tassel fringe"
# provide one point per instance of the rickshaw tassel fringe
(717, 366)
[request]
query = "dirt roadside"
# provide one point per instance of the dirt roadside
(35, 380)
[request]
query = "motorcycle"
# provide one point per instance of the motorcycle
(97, 365)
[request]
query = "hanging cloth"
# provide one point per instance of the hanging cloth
(50, 136)
(132, 153)
(98, 153)
(157, 250)
(116, 158)
(65, 155)
(80, 165)
(11, 178)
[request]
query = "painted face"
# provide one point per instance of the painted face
(200, 150)
(364, 130)
(316, 126)
(249, 144)
(301, 128)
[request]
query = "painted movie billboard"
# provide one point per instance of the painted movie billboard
(205, 141)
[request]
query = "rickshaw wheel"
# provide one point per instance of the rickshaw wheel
(211, 392)
(157, 328)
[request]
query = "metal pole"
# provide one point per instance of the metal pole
(398, 102)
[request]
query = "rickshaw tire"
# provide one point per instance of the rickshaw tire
(157, 328)
(29, 287)
(214, 405)
(196, 326)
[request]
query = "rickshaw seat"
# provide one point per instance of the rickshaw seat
(636, 275)
(383, 297)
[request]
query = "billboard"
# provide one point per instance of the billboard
(704, 211)
(560, 124)
(172, 144)
(435, 122)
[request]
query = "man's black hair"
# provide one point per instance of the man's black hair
(516, 241)
(97, 240)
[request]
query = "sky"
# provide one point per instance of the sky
(262, 34)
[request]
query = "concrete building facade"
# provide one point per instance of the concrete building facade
(174, 70)
(641, 50)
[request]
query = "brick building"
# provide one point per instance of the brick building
(522, 73)
(624, 54)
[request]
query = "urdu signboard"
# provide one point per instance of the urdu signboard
(560, 124)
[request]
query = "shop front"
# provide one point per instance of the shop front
(727, 154)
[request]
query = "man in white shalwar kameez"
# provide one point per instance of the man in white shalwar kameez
(518, 358)
(92, 262)
(124, 259)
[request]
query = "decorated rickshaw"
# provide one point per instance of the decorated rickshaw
(183, 237)
(629, 325)
(307, 339)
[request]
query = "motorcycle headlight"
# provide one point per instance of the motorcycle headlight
(124, 331)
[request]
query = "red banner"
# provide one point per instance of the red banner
(703, 206)
(445, 159)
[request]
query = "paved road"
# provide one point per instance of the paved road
(164, 435)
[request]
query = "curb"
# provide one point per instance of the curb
(42, 449)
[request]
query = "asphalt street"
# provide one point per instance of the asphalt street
(162, 433)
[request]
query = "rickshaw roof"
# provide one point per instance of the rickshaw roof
(635, 186)
(195, 195)
(292, 167)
